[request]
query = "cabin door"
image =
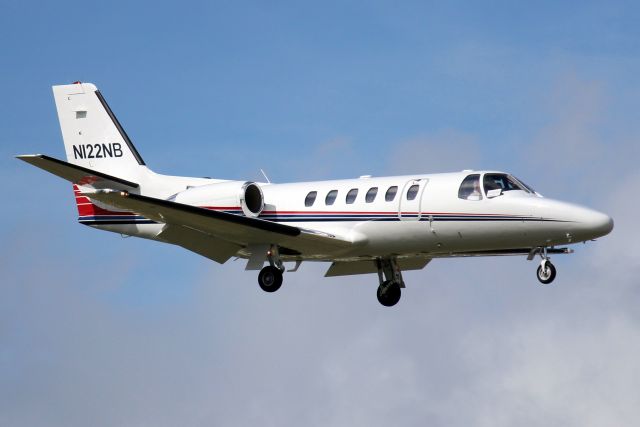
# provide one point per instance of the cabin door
(411, 199)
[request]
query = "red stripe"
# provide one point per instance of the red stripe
(90, 209)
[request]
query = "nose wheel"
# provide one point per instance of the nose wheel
(546, 272)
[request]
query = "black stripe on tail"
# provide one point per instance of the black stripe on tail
(120, 128)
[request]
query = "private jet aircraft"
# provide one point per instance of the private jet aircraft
(364, 225)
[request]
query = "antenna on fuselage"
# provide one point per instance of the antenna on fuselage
(265, 176)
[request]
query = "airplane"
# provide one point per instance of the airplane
(382, 225)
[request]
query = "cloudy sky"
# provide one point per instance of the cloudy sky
(100, 330)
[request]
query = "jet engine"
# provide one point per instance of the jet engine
(225, 196)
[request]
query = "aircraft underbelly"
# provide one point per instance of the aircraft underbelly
(404, 237)
(444, 236)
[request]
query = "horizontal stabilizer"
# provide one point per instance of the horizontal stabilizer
(78, 175)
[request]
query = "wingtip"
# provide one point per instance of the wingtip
(27, 157)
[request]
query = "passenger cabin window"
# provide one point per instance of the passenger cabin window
(351, 196)
(331, 197)
(470, 188)
(391, 193)
(371, 194)
(412, 192)
(310, 199)
(501, 181)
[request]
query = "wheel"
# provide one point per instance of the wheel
(389, 293)
(547, 273)
(270, 279)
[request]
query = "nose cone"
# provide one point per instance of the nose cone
(598, 223)
(579, 222)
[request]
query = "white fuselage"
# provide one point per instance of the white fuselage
(436, 222)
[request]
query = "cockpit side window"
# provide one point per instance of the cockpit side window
(470, 188)
(500, 181)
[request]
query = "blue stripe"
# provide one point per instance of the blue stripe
(139, 219)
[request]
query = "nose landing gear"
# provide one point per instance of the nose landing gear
(546, 272)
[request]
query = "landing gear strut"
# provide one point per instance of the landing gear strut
(389, 291)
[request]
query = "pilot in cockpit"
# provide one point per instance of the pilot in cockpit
(470, 188)
(475, 194)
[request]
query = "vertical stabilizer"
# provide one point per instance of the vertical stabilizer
(93, 137)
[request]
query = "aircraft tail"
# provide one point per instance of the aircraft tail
(93, 137)
(100, 155)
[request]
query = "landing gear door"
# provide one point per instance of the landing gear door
(411, 200)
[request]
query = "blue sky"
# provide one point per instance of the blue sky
(97, 329)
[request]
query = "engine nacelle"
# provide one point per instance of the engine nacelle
(225, 196)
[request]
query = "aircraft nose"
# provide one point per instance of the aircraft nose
(579, 222)
(599, 223)
(590, 224)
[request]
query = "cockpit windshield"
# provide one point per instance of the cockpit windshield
(504, 182)
(524, 184)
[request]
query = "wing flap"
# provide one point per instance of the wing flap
(347, 268)
(210, 247)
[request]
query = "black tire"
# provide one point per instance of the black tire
(546, 277)
(389, 293)
(270, 279)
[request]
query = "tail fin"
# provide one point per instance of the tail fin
(93, 137)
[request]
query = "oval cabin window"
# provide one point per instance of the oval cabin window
(351, 196)
(412, 192)
(310, 199)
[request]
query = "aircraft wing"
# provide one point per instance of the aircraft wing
(76, 174)
(234, 231)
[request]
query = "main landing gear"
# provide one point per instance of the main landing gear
(270, 277)
(389, 291)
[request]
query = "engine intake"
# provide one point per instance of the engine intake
(225, 196)
(251, 199)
